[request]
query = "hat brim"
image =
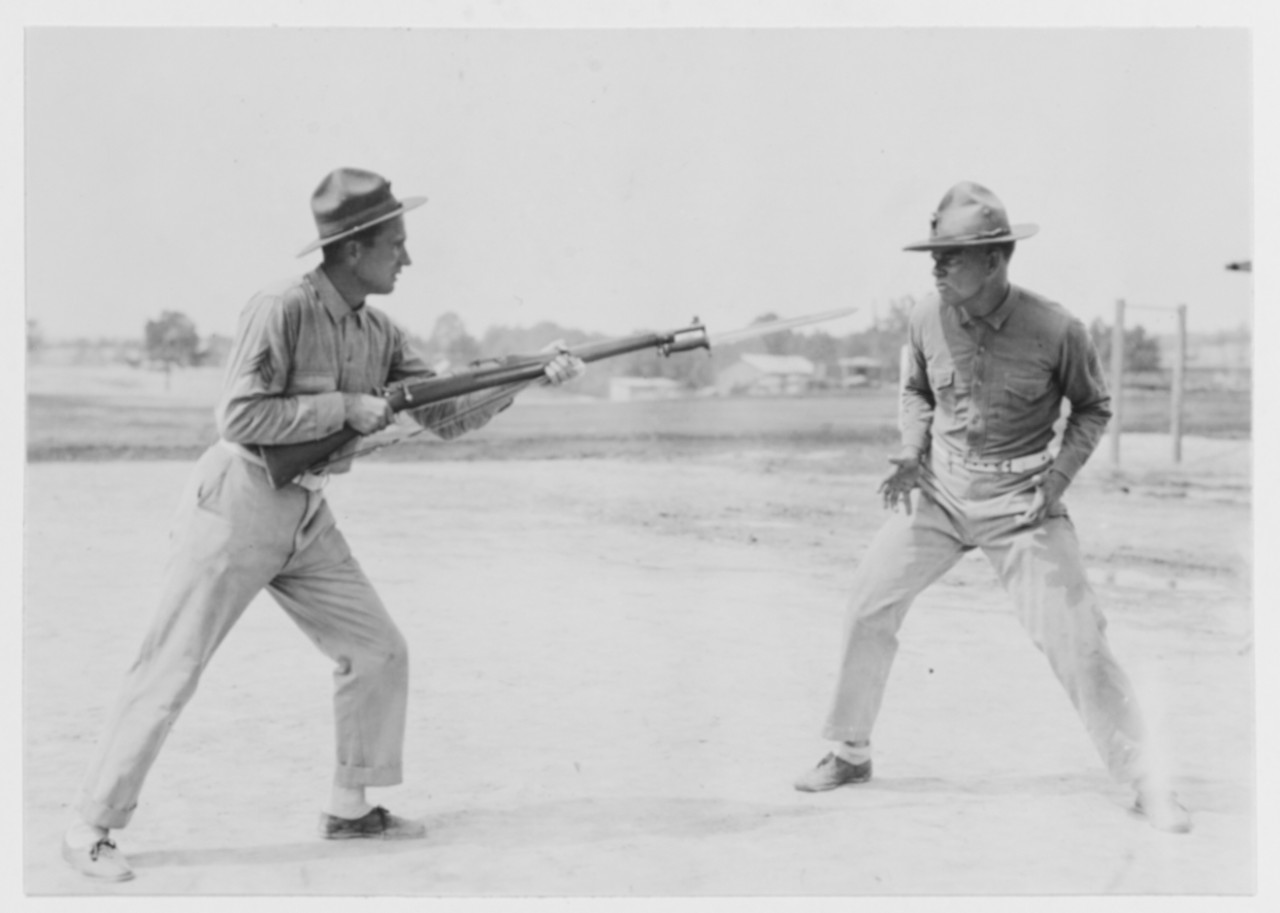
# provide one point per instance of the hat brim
(1015, 233)
(405, 205)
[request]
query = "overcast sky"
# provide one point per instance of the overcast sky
(623, 179)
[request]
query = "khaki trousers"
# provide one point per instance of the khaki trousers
(233, 536)
(1041, 568)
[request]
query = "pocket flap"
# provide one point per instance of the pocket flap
(1029, 388)
(940, 379)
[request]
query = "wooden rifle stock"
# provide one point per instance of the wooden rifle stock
(286, 462)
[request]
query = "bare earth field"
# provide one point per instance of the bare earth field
(621, 660)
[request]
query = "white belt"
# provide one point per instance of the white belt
(1017, 464)
(311, 481)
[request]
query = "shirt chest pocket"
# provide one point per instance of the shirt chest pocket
(306, 383)
(942, 381)
(1025, 386)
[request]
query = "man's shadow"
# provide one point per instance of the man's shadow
(586, 820)
(557, 822)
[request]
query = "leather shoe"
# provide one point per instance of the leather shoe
(100, 860)
(378, 824)
(833, 771)
(1163, 811)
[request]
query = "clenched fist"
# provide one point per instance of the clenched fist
(367, 414)
(564, 367)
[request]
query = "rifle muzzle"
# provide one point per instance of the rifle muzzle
(686, 340)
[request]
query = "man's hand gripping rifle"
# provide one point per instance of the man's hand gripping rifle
(286, 461)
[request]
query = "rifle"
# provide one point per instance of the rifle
(285, 462)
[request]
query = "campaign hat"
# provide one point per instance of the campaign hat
(349, 200)
(970, 215)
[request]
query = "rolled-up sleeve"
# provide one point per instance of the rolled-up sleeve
(1084, 385)
(254, 408)
(449, 418)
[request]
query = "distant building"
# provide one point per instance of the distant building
(213, 350)
(767, 375)
(632, 389)
(1218, 361)
(860, 371)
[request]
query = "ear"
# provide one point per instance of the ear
(351, 249)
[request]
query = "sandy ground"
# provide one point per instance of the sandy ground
(620, 667)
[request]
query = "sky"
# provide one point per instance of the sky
(622, 179)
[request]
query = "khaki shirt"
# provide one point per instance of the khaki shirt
(991, 388)
(299, 347)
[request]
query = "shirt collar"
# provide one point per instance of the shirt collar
(996, 319)
(332, 299)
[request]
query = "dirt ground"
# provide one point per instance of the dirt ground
(619, 667)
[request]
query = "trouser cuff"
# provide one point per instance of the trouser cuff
(350, 775)
(100, 814)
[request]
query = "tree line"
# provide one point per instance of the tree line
(451, 345)
(173, 340)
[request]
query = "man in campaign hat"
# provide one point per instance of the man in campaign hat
(989, 365)
(308, 355)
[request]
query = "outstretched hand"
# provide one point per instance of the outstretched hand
(897, 485)
(564, 367)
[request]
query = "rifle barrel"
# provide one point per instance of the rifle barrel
(286, 462)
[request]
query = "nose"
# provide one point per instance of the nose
(404, 258)
(939, 270)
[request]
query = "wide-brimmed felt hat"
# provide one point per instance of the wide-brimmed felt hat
(349, 200)
(969, 215)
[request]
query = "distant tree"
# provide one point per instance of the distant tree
(503, 340)
(171, 339)
(215, 350)
(451, 341)
(884, 339)
(784, 342)
(1141, 352)
(822, 349)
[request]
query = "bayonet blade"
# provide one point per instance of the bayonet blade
(776, 326)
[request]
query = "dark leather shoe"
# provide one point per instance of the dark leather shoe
(379, 824)
(831, 772)
(100, 860)
(1163, 811)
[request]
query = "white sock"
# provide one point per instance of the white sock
(853, 754)
(348, 802)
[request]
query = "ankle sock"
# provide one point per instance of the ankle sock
(853, 754)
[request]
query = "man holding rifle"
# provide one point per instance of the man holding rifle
(989, 365)
(307, 357)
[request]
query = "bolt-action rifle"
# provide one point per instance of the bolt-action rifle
(286, 462)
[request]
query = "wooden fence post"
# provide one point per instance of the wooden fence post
(1117, 383)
